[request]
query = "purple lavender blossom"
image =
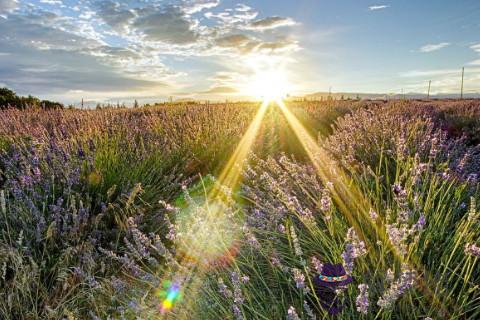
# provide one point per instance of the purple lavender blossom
(373, 214)
(361, 301)
(292, 314)
(325, 201)
(299, 278)
(317, 264)
(354, 248)
(296, 243)
(223, 289)
(348, 257)
(398, 288)
(238, 298)
(306, 307)
(472, 250)
(399, 191)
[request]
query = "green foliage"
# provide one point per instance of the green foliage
(86, 229)
(8, 98)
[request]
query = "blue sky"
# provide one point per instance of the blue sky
(211, 49)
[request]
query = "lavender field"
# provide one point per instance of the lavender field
(233, 211)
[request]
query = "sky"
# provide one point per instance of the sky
(150, 50)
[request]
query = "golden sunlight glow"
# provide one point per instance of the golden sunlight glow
(269, 85)
(208, 234)
(349, 198)
(211, 238)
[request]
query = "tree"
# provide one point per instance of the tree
(8, 98)
(135, 104)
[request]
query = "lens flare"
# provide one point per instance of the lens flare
(208, 233)
(169, 296)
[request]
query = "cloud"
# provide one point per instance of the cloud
(280, 45)
(434, 47)
(229, 19)
(38, 31)
(51, 2)
(476, 47)
(429, 73)
(125, 47)
(31, 70)
(192, 7)
(234, 40)
(443, 80)
(115, 15)
(378, 7)
(40, 58)
(168, 25)
(220, 90)
(270, 23)
(242, 7)
(7, 6)
(244, 44)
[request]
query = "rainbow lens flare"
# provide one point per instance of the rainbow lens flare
(169, 296)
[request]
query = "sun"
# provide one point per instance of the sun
(269, 85)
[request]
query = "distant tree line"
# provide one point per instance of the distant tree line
(9, 99)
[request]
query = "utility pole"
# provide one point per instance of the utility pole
(82, 103)
(429, 84)
(461, 90)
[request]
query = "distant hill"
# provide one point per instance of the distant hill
(9, 99)
(375, 96)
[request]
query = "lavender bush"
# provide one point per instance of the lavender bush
(103, 212)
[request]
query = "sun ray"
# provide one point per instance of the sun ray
(350, 200)
(230, 175)
(192, 271)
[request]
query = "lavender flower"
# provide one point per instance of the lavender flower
(292, 314)
(348, 257)
(238, 298)
(472, 211)
(171, 229)
(419, 225)
(223, 289)
(472, 250)
(317, 264)
(311, 315)
(390, 276)
(362, 302)
(398, 191)
(354, 248)
(398, 288)
(3, 205)
(299, 278)
(325, 201)
(296, 243)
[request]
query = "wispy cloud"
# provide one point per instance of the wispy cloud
(7, 5)
(428, 73)
(378, 7)
(270, 23)
(443, 80)
(434, 47)
(476, 47)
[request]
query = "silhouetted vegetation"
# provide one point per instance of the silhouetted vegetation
(9, 99)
